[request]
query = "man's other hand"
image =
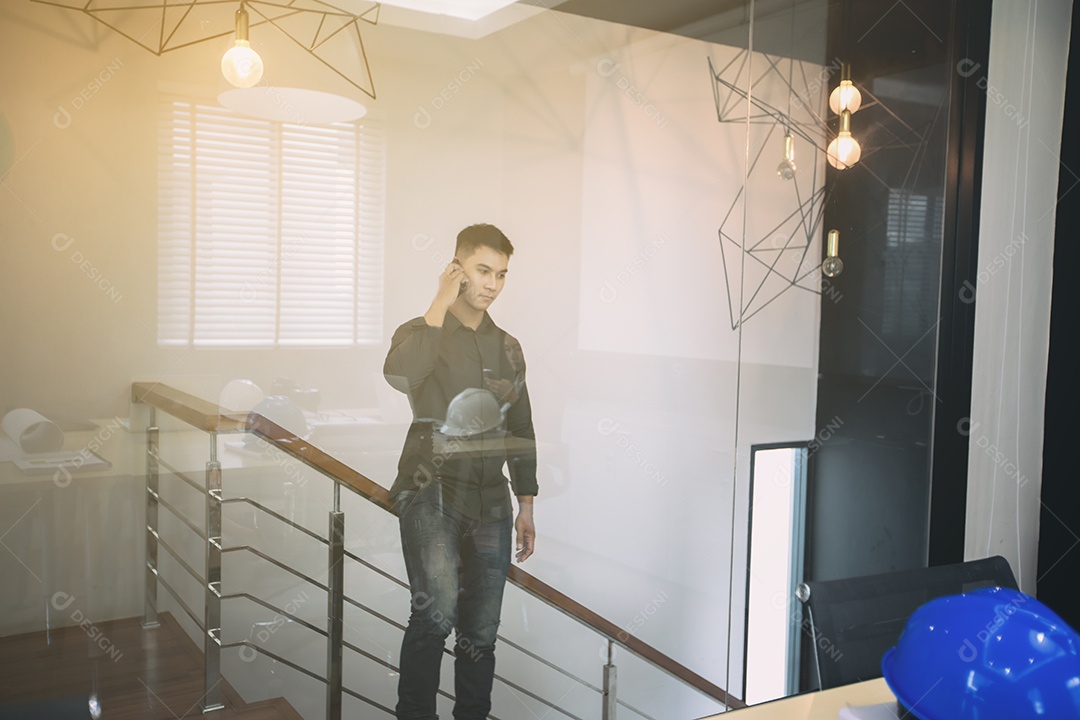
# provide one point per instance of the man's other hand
(504, 390)
(525, 529)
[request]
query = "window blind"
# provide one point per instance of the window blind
(269, 234)
(913, 227)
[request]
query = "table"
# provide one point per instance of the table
(825, 705)
(74, 536)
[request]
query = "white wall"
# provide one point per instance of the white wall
(1025, 82)
(635, 398)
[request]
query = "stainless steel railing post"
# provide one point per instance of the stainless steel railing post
(212, 609)
(335, 608)
(150, 618)
(610, 676)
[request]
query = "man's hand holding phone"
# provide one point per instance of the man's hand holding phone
(464, 284)
(452, 283)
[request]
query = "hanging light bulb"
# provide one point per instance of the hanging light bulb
(844, 151)
(832, 265)
(845, 96)
(241, 65)
(786, 168)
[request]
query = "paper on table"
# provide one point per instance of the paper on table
(34, 432)
(45, 463)
(884, 711)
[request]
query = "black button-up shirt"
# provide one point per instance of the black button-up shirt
(433, 366)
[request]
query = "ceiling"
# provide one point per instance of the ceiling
(792, 28)
(786, 28)
(668, 16)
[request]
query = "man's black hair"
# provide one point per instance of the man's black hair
(482, 235)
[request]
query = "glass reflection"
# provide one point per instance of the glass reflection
(672, 305)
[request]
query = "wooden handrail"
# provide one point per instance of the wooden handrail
(207, 416)
(193, 410)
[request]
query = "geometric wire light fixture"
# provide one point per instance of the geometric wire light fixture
(805, 120)
(326, 31)
(776, 257)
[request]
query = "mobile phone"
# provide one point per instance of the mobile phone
(464, 283)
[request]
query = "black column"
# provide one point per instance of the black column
(888, 488)
(1059, 524)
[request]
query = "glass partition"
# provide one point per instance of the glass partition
(277, 519)
(662, 174)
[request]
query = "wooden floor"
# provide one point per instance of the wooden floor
(140, 674)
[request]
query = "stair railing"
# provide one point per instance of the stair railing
(209, 418)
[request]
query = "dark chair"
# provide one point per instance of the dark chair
(852, 622)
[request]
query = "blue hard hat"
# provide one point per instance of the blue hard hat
(991, 654)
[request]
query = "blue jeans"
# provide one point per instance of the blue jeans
(457, 571)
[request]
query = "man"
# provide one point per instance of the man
(465, 378)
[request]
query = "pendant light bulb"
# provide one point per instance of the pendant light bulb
(845, 96)
(241, 65)
(832, 265)
(844, 151)
(786, 168)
